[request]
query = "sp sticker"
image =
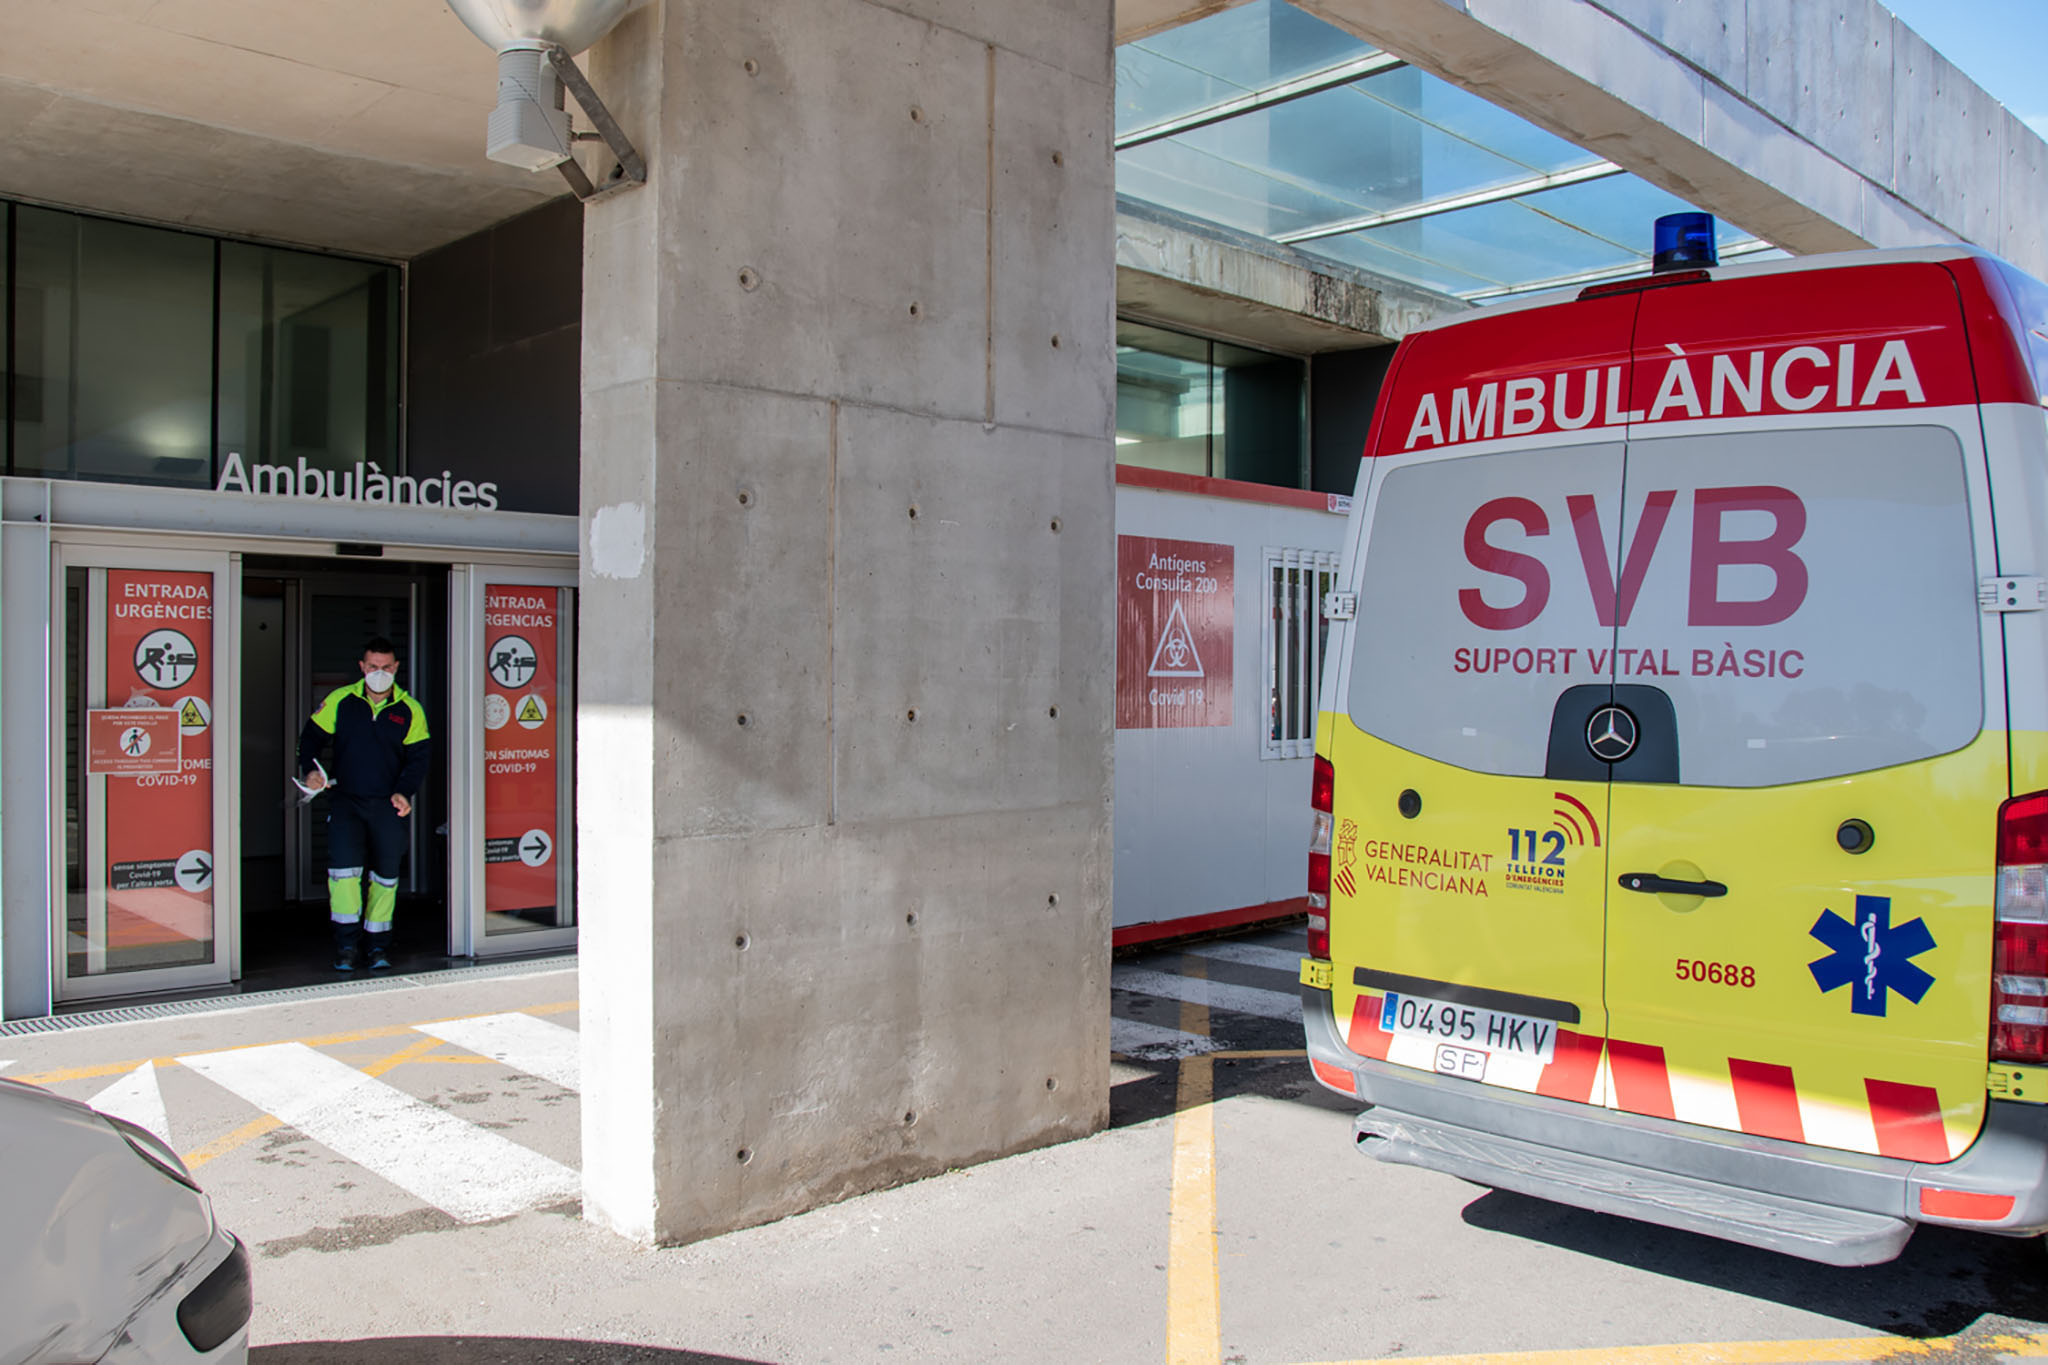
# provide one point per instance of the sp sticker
(1871, 956)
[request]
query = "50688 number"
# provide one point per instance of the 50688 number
(1716, 973)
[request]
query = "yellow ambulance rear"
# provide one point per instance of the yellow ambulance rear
(1682, 768)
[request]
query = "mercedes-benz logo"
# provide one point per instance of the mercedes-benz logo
(1611, 734)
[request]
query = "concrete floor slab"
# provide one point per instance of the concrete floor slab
(1238, 1231)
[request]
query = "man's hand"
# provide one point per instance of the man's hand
(315, 780)
(401, 805)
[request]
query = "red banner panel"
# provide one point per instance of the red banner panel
(159, 827)
(1174, 625)
(522, 789)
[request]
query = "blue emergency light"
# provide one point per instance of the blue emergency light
(1685, 241)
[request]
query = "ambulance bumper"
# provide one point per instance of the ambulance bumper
(1842, 1208)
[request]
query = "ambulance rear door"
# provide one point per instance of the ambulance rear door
(1469, 871)
(1800, 885)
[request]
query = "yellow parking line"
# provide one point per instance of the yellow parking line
(1747, 1352)
(401, 1057)
(226, 1143)
(82, 1073)
(1194, 1324)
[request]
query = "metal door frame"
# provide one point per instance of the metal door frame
(226, 567)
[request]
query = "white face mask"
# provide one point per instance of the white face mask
(379, 680)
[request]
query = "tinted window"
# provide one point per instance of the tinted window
(113, 339)
(1806, 599)
(1474, 610)
(1811, 601)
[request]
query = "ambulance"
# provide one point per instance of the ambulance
(1681, 781)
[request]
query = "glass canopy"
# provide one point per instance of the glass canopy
(1266, 119)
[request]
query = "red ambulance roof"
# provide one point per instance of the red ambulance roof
(1867, 331)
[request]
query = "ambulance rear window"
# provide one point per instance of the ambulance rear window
(1806, 599)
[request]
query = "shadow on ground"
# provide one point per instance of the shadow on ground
(481, 1351)
(1139, 1098)
(1945, 1282)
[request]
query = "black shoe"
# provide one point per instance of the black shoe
(345, 961)
(380, 961)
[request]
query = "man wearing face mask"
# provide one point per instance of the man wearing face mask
(379, 735)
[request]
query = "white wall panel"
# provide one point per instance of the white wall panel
(1203, 823)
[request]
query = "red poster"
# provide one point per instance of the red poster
(158, 859)
(522, 818)
(130, 740)
(1174, 629)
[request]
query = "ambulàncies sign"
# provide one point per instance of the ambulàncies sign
(367, 482)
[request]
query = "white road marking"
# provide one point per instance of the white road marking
(520, 1041)
(1153, 1043)
(5, 1064)
(468, 1172)
(1221, 995)
(137, 1098)
(1254, 955)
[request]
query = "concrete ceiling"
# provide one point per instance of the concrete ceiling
(353, 125)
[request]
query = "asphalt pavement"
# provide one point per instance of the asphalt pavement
(403, 1161)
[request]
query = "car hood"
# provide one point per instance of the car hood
(92, 1231)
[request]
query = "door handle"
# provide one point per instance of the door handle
(1649, 882)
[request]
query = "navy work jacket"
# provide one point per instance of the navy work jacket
(379, 747)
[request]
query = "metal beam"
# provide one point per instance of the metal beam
(1752, 247)
(1314, 83)
(1451, 203)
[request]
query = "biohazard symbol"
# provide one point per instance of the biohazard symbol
(1176, 656)
(193, 717)
(530, 713)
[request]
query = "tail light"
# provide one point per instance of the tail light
(2019, 952)
(1322, 796)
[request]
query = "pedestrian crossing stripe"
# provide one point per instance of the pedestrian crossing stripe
(137, 1098)
(467, 1171)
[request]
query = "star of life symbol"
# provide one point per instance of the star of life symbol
(1176, 656)
(1871, 955)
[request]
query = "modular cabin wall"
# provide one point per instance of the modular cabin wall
(1209, 830)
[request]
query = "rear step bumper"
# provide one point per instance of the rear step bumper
(1817, 1232)
(1842, 1208)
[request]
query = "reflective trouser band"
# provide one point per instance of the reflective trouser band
(345, 894)
(383, 901)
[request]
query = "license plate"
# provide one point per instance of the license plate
(1469, 1026)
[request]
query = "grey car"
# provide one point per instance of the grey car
(109, 1252)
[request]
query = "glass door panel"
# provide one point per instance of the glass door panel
(145, 679)
(514, 667)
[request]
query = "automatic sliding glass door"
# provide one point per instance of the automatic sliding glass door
(512, 714)
(146, 842)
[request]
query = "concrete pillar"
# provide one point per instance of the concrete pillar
(847, 614)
